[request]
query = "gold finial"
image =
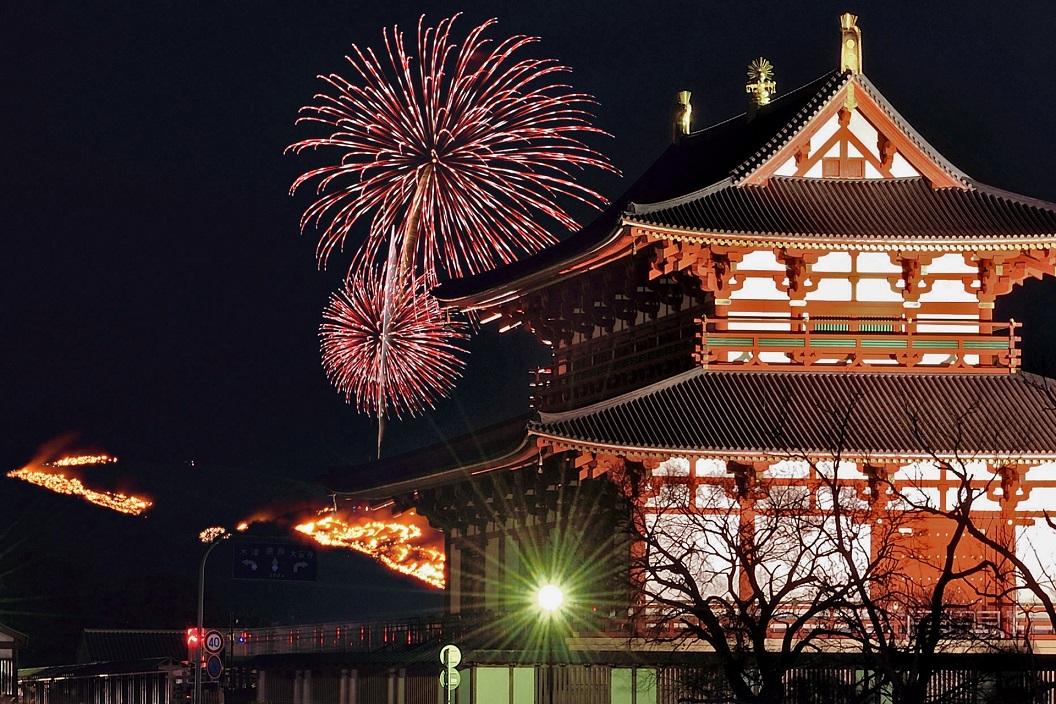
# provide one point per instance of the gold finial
(683, 116)
(761, 84)
(850, 44)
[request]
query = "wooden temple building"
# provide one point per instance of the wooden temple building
(801, 297)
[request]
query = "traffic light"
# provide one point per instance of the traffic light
(194, 645)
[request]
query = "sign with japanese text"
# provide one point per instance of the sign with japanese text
(280, 561)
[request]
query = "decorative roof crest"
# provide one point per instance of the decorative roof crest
(761, 84)
(850, 44)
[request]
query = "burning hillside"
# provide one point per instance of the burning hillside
(52, 469)
(405, 543)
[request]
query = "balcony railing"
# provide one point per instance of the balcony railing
(864, 344)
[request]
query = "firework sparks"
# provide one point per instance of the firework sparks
(453, 157)
(42, 474)
(396, 362)
(401, 545)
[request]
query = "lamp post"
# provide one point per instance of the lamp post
(214, 538)
(550, 597)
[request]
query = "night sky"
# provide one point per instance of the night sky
(156, 295)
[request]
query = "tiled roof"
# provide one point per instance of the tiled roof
(880, 209)
(128, 645)
(94, 669)
(745, 412)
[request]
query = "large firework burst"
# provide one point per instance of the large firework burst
(393, 352)
(453, 153)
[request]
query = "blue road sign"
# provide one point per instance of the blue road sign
(279, 561)
(214, 667)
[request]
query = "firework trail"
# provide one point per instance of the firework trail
(454, 153)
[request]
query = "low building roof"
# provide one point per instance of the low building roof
(127, 645)
(820, 414)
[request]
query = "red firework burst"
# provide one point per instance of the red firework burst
(453, 156)
(393, 351)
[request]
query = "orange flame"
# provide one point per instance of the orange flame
(41, 473)
(400, 544)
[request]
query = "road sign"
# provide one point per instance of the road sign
(450, 679)
(450, 656)
(279, 561)
(214, 667)
(214, 642)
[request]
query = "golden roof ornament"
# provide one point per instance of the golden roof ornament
(683, 116)
(850, 44)
(761, 84)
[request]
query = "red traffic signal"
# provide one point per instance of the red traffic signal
(194, 643)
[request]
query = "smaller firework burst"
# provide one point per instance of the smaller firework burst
(395, 361)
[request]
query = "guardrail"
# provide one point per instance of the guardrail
(864, 344)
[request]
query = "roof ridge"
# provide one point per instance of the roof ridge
(835, 81)
(911, 132)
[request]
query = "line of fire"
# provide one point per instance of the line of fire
(784, 450)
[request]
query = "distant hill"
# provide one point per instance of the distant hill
(66, 565)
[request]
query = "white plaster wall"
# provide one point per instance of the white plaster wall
(788, 168)
(951, 264)
(1036, 547)
(846, 470)
(673, 467)
(831, 290)
(917, 471)
(836, 262)
(823, 133)
(711, 468)
(876, 263)
(947, 291)
(759, 289)
(760, 260)
(900, 168)
(877, 291)
(789, 469)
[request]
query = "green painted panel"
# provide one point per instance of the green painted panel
(646, 685)
(986, 344)
(935, 344)
(492, 685)
(831, 342)
(621, 685)
(900, 344)
(781, 342)
(629, 686)
(524, 685)
(729, 341)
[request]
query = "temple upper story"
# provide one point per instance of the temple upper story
(817, 231)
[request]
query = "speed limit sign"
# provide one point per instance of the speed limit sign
(214, 642)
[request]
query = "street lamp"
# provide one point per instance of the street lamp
(213, 536)
(550, 597)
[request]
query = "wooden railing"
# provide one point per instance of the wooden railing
(863, 344)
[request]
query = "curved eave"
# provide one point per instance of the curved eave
(611, 248)
(763, 454)
(526, 453)
(843, 243)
